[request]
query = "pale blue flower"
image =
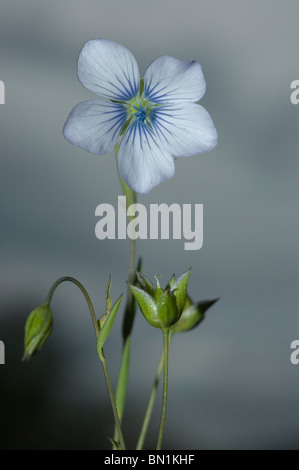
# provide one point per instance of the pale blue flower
(154, 118)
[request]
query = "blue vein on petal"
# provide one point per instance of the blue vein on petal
(158, 118)
(108, 71)
(120, 96)
(137, 130)
(158, 96)
(117, 121)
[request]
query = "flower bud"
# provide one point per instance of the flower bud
(161, 307)
(192, 315)
(38, 328)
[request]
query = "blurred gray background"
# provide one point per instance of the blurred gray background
(232, 385)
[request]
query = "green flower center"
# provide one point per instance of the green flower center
(139, 108)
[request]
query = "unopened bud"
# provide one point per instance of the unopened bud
(192, 315)
(38, 328)
(161, 307)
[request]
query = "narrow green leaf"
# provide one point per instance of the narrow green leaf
(107, 327)
(146, 284)
(123, 377)
(115, 444)
(108, 300)
(179, 288)
(172, 280)
(205, 304)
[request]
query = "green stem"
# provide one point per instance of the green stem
(165, 386)
(84, 292)
(150, 405)
(123, 375)
(130, 311)
(115, 413)
(97, 330)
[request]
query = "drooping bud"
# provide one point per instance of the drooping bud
(38, 328)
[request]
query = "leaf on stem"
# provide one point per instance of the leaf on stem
(107, 327)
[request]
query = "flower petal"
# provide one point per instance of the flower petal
(184, 130)
(141, 163)
(168, 80)
(95, 125)
(109, 70)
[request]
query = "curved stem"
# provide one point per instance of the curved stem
(84, 292)
(103, 360)
(165, 386)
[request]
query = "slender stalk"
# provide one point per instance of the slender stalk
(150, 405)
(97, 330)
(84, 292)
(115, 413)
(130, 311)
(165, 386)
(123, 375)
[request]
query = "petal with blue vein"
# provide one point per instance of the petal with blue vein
(95, 125)
(169, 80)
(109, 70)
(142, 163)
(183, 130)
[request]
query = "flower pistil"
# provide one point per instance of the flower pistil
(139, 109)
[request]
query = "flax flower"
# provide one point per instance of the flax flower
(153, 118)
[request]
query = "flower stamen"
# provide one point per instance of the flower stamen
(139, 108)
(140, 112)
